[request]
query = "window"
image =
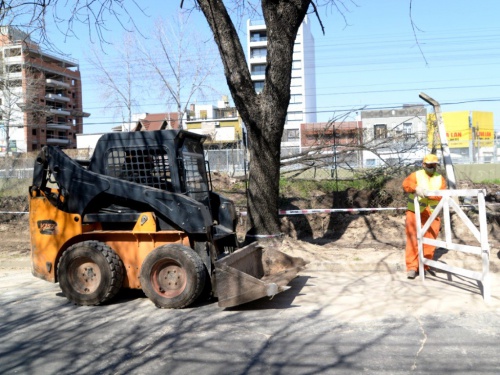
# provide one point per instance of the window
(195, 175)
(295, 99)
(294, 116)
(259, 69)
(258, 52)
(33, 132)
(15, 68)
(370, 162)
(407, 128)
(296, 73)
(290, 135)
(258, 36)
(259, 86)
(9, 52)
(296, 82)
(203, 114)
(380, 131)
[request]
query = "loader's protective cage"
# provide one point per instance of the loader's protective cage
(144, 165)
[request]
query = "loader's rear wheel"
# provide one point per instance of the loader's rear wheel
(173, 276)
(90, 273)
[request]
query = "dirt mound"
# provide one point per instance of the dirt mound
(356, 229)
(13, 209)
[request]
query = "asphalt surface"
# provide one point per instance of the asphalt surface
(330, 322)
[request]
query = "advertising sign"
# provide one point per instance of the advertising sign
(465, 126)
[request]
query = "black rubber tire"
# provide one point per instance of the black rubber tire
(90, 273)
(173, 276)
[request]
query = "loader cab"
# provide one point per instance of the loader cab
(169, 160)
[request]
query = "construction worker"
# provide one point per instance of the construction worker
(416, 183)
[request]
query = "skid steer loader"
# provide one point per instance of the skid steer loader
(141, 214)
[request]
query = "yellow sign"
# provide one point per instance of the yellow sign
(463, 127)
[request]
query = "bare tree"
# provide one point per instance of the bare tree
(118, 80)
(19, 98)
(11, 94)
(181, 61)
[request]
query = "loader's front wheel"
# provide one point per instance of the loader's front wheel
(173, 276)
(90, 273)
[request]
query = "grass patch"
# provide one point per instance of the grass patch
(494, 181)
(303, 188)
(14, 187)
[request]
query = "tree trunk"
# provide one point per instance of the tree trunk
(264, 114)
(263, 183)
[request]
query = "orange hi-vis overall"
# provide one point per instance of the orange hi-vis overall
(427, 205)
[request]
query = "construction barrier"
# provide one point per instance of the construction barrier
(449, 200)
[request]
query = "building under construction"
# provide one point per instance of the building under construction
(40, 96)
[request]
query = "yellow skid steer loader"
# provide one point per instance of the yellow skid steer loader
(141, 214)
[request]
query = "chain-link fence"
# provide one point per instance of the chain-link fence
(295, 163)
(20, 167)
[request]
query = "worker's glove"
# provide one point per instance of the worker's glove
(420, 191)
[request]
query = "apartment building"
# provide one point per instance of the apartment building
(40, 95)
(220, 123)
(394, 135)
(302, 108)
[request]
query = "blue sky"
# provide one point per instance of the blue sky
(371, 59)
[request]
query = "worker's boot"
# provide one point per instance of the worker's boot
(412, 274)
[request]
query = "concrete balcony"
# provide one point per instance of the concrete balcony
(77, 113)
(57, 140)
(57, 98)
(258, 43)
(13, 60)
(55, 83)
(61, 112)
(258, 77)
(257, 60)
(60, 126)
(12, 76)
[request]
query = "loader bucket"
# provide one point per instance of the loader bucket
(253, 272)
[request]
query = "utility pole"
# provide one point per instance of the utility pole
(448, 164)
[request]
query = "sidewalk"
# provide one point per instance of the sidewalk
(370, 283)
(366, 295)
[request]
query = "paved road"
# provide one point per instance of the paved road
(327, 323)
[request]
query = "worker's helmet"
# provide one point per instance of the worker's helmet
(431, 159)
